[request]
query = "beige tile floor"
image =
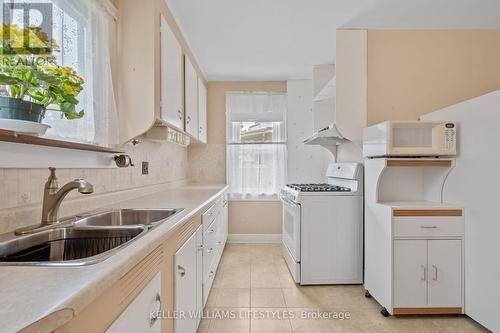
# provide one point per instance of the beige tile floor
(253, 292)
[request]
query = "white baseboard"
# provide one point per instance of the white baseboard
(254, 238)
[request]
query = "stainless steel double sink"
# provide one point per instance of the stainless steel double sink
(81, 240)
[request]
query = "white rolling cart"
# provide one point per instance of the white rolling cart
(414, 242)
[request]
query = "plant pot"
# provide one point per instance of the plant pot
(15, 108)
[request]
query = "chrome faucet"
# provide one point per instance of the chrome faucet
(53, 196)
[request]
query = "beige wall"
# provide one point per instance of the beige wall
(207, 163)
(414, 72)
(403, 74)
(255, 217)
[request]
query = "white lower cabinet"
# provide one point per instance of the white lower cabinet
(199, 271)
(195, 267)
(410, 273)
(214, 240)
(225, 218)
(427, 273)
(186, 298)
(445, 272)
(140, 315)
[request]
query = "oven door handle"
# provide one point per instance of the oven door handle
(288, 202)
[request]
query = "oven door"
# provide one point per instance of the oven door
(291, 228)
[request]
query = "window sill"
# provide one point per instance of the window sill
(14, 137)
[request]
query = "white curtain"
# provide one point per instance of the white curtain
(102, 31)
(256, 106)
(84, 30)
(256, 169)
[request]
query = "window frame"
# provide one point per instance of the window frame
(53, 144)
(274, 197)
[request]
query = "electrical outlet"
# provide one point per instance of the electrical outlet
(145, 168)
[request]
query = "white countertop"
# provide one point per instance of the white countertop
(28, 294)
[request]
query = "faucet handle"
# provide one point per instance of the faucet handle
(52, 172)
(51, 183)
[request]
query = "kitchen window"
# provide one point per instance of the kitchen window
(256, 144)
(85, 34)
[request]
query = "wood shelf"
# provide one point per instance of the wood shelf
(14, 137)
(420, 163)
(427, 311)
(427, 212)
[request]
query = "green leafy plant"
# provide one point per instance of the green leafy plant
(36, 76)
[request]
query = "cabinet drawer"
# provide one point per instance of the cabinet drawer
(429, 226)
(210, 235)
(211, 214)
(207, 284)
(219, 248)
(208, 217)
(208, 258)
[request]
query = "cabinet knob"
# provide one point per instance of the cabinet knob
(188, 119)
(155, 314)
(424, 271)
(435, 278)
(181, 270)
(210, 250)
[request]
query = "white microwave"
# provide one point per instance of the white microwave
(410, 138)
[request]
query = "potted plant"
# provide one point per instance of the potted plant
(32, 81)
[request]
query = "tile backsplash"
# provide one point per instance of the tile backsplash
(22, 189)
(207, 163)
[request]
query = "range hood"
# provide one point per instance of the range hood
(328, 136)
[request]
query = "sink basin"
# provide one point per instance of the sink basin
(82, 240)
(67, 246)
(126, 217)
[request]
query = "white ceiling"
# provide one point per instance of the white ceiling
(283, 39)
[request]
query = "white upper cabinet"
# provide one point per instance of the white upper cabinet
(191, 89)
(157, 92)
(202, 111)
(172, 110)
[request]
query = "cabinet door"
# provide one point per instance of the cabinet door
(225, 217)
(137, 316)
(202, 109)
(171, 78)
(410, 273)
(185, 287)
(445, 273)
(199, 270)
(191, 88)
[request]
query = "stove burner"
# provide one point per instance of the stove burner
(318, 188)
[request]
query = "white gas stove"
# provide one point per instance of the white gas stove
(323, 227)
